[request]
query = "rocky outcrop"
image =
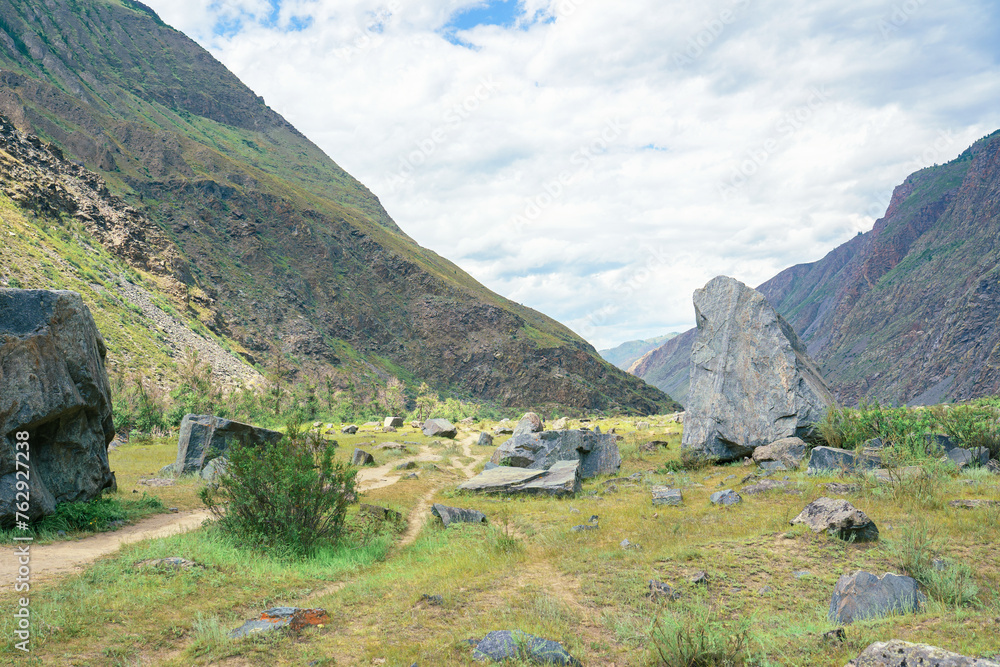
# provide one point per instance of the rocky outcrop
(897, 653)
(205, 437)
(54, 398)
(752, 382)
(598, 454)
(863, 595)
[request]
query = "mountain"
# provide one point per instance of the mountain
(625, 355)
(904, 313)
(237, 227)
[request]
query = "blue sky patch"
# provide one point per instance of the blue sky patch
(229, 26)
(493, 12)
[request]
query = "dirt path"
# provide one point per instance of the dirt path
(387, 475)
(48, 560)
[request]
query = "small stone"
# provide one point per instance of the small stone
(700, 578)
(659, 589)
(726, 498)
(765, 590)
(432, 600)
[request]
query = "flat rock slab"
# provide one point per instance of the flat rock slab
(450, 515)
(897, 653)
(863, 595)
(170, 563)
(974, 503)
(514, 644)
(598, 454)
(765, 485)
(838, 518)
(664, 495)
(205, 437)
(562, 479)
(270, 620)
(891, 476)
(833, 459)
(157, 481)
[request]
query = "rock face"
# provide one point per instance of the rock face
(598, 454)
(501, 645)
(204, 437)
(897, 653)
(751, 380)
(838, 518)
(439, 428)
(863, 595)
(562, 479)
(54, 387)
(784, 454)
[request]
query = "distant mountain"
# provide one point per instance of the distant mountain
(905, 313)
(238, 225)
(624, 355)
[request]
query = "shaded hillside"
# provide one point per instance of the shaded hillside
(627, 353)
(254, 232)
(907, 312)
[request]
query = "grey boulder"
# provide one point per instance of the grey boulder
(561, 479)
(54, 387)
(204, 437)
(664, 495)
(897, 653)
(598, 454)
(439, 428)
(514, 644)
(726, 497)
(968, 458)
(529, 423)
(392, 422)
(833, 459)
(783, 454)
(752, 381)
(450, 515)
(350, 429)
(362, 458)
(485, 440)
(863, 595)
(838, 518)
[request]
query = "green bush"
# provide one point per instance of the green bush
(96, 515)
(914, 552)
(289, 497)
(975, 424)
(691, 640)
(903, 431)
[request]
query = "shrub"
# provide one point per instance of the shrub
(96, 515)
(689, 641)
(287, 497)
(914, 552)
(973, 425)
(903, 431)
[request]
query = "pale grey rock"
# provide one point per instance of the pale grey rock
(863, 595)
(664, 495)
(350, 429)
(485, 440)
(450, 515)
(439, 428)
(833, 459)
(561, 479)
(559, 424)
(214, 469)
(783, 454)
(838, 518)
(529, 423)
(752, 381)
(392, 422)
(362, 458)
(725, 497)
(897, 653)
(598, 454)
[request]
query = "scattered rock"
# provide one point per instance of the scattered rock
(973, 503)
(468, 421)
(504, 427)
(598, 454)
(798, 574)
(752, 382)
(726, 497)
(593, 525)
(205, 437)
(893, 475)
(764, 486)
(362, 458)
(432, 600)
(664, 495)
(863, 595)
(699, 578)
(380, 513)
(507, 644)
(563, 478)
(642, 426)
(350, 429)
(993, 466)
(409, 465)
(559, 424)
(450, 515)
(171, 563)
(395, 446)
(837, 635)
(157, 482)
(54, 386)
(841, 489)
(412, 475)
(654, 445)
(963, 458)
(439, 428)
(388, 429)
(292, 618)
(485, 440)
(529, 423)
(625, 544)
(838, 518)
(938, 443)
(765, 590)
(783, 454)
(392, 422)
(897, 653)
(659, 589)
(833, 459)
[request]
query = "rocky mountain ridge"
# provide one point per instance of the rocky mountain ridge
(904, 313)
(244, 225)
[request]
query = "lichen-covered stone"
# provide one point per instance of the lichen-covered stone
(863, 595)
(897, 653)
(598, 454)
(752, 381)
(204, 437)
(838, 518)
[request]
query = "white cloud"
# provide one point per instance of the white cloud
(601, 166)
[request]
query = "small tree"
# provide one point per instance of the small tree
(426, 401)
(288, 497)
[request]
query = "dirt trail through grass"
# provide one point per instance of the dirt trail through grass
(387, 475)
(48, 560)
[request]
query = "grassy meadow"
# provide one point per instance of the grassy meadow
(765, 602)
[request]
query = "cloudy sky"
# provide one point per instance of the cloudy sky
(599, 160)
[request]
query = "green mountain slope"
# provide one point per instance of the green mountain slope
(627, 353)
(907, 312)
(250, 229)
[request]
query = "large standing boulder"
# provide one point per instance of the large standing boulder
(897, 653)
(863, 595)
(205, 437)
(53, 387)
(751, 380)
(439, 428)
(598, 454)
